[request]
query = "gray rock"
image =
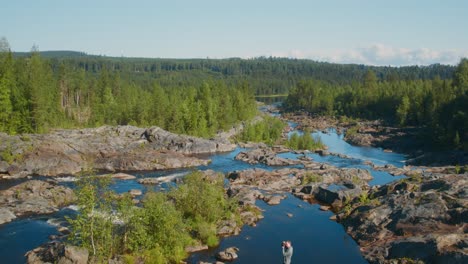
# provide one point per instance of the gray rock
(108, 148)
(135, 192)
(6, 216)
(191, 249)
(273, 199)
(33, 197)
(264, 155)
(228, 254)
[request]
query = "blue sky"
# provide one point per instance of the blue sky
(367, 31)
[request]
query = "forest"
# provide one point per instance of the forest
(40, 91)
(440, 106)
(266, 75)
(38, 94)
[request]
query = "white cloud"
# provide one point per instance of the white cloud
(380, 54)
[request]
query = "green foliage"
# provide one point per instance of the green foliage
(267, 130)
(38, 94)
(8, 156)
(158, 224)
(159, 230)
(304, 142)
(93, 227)
(439, 105)
(310, 178)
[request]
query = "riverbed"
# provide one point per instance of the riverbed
(315, 238)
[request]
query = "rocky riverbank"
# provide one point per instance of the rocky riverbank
(377, 134)
(421, 218)
(122, 148)
(32, 198)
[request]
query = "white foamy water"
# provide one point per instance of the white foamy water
(171, 177)
(66, 179)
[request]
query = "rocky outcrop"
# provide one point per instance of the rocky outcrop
(264, 155)
(57, 252)
(229, 254)
(423, 218)
(33, 197)
(122, 148)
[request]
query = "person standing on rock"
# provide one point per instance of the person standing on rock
(287, 252)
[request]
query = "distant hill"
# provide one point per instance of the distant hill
(267, 75)
(55, 54)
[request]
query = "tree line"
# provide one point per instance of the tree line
(440, 105)
(38, 94)
(266, 75)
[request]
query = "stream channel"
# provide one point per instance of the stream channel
(315, 238)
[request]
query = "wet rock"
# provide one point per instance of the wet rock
(322, 152)
(228, 254)
(289, 215)
(273, 199)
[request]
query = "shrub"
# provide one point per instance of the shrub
(268, 130)
(310, 178)
(305, 142)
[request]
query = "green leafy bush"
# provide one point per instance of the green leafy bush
(268, 130)
(304, 142)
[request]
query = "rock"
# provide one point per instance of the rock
(68, 152)
(420, 248)
(264, 155)
(322, 152)
(289, 215)
(74, 254)
(191, 249)
(57, 252)
(273, 200)
(64, 230)
(135, 192)
(227, 228)
(122, 176)
(403, 220)
(333, 218)
(159, 180)
(228, 254)
(324, 208)
(33, 197)
(250, 218)
(329, 195)
(6, 216)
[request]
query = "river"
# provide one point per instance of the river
(315, 238)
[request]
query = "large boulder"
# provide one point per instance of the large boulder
(33, 197)
(57, 252)
(228, 254)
